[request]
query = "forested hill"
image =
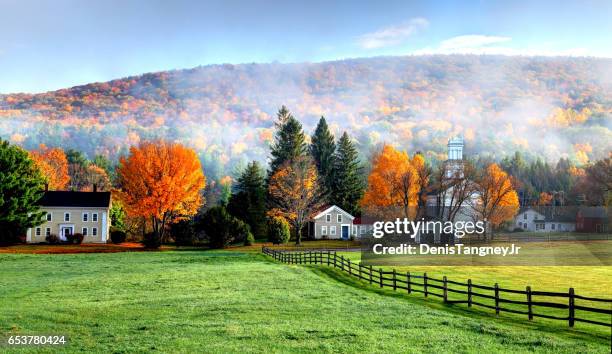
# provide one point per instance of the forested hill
(551, 107)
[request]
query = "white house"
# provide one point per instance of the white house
(528, 220)
(546, 219)
(333, 223)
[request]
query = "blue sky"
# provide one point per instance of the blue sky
(47, 45)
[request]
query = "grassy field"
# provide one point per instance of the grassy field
(212, 301)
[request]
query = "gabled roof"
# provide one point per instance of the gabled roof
(75, 199)
(330, 209)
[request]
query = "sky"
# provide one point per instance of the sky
(47, 45)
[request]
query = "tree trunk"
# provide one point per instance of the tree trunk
(298, 233)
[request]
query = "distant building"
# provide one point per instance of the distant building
(546, 219)
(332, 223)
(593, 220)
(68, 213)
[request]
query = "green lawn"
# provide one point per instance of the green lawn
(205, 301)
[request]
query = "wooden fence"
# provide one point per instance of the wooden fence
(565, 308)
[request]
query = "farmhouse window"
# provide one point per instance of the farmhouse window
(525, 216)
(85, 217)
(49, 217)
(552, 226)
(94, 231)
(328, 217)
(48, 232)
(332, 230)
(323, 230)
(66, 216)
(94, 217)
(38, 231)
(339, 217)
(84, 231)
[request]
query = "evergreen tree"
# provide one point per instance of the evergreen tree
(322, 149)
(289, 141)
(348, 183)
(248, 202)
(21, 186)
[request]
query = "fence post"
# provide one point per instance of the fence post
(572, 310)
(359, 264)
(350, 270)
(469, 292)
(370, 274)
(394, 280)
(496, 299)
(529, 306)
(380, 277)
(425, 284)
(408, 282)
(335, 259)
(445, 281)
(328, 254)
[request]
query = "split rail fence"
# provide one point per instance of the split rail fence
(563, 306)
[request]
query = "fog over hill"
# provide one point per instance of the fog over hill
(546, 107)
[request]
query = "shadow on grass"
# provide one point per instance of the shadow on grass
(550, 327)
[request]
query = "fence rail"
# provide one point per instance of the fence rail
(430, 286)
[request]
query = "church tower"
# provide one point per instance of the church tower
(455, 157)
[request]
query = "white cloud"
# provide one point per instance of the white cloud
(471, 41)
(498, 45)
(392, 35)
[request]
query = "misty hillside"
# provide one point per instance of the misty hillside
(549, 107)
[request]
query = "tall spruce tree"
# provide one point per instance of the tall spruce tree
(322, 149)
(289, 141)
(248, 202)
(21, 186)
(348, 180)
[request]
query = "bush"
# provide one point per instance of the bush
(249, 240)
(70, 238)
(77, 238)
(117, 236)
(183, 233)
(278, 230)
(52, 239)
(221, 228)
(518, 229)
(151, 240)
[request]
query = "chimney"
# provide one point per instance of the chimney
(95, 187)
(46, 187)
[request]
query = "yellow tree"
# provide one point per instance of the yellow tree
(498, 200)
(53, 164)
(393, 182)
(295, 192)
(161, 181)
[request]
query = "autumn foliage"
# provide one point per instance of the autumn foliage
(498, 200)
(393, 182)
(295, 192)
(53, 165)
(161, 181)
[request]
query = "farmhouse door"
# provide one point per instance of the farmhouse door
(65, 232)
(345, 231)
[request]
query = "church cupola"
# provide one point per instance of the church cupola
(455, 148)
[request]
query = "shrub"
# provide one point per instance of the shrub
(78, 238)
(52, 239)
(151, 240)
(117, 236)
(221, 228)
(70, 238)
(183, 233)
(278, 230)
(518, 229)
(249, 240)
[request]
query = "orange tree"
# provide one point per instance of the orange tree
(295, 192)
(161, 181)
(53, 165)
(497, 199)
(393, 182)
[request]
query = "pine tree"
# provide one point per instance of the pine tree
(322, 149)
(348, 182)
(21, 186)
(248, 203)
(289, 141)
